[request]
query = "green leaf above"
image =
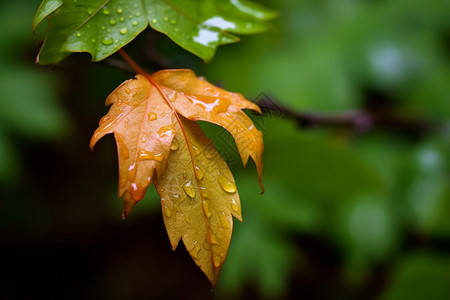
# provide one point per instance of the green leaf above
(101, 27)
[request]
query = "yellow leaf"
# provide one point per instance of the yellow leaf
(153, 121)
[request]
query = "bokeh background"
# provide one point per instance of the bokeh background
(357, 162)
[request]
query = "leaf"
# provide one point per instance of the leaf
(101, 27)
(153, 121)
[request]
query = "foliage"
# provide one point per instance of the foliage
(102, 27)
(153, 121)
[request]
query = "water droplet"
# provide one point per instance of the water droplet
(172, 95)
(134, 23)
(199, 172)
(167, 211)
(173, 22)
(208, 155)
(78, 34)
(234, 205)
(224, 221)
(146, 155)
(92, 40)
(205, 193)
(106, 11)
(123, 149)
(112, 21)
(196, 150)
(154, 21)
(90, 10)
(214, 240)
(103, 27)
(189, 189)
(176, 29)
(107, 41)
(184, 174)
(166, 19)
(227, 185)
(121, 19)
(119, 10)
(195, 250)
(103, 120)
(187, 220)
(175, 144)
(165, 131)
(138, 14)
(136, 190)
(206, 209)
(123, 30)
(136, 5)
(216, 261)
(132, 172)
(175, 198)
(130, 16)
(152, 116)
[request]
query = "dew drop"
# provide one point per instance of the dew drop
(166, 19)
(123, 30)
(103, 120)
(119, 10)
(167, 211)
(175, 144)
(173, 22)
(176, 30)
(154, 21)
(196, 150)
(134, 23)
(152, 116)
(90, 10)
(138, 14)
(172, 95)
(121, 19)
(146, 155)
(214, 240)
(187, 220)
(206, 209)
(234, 205)
(103, 27)
(189, 189)
(216, 261)
(78, 34)
(227, 185)
(199, 172)
(224, 221)
(165, 131)
(106, 11)
(195, 250)
(112, 22)
(184, 174)
(130, 16)
(92, 40)
(107, 41)
(131, 172)
(208, 155)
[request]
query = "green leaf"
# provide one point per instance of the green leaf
(102, 27)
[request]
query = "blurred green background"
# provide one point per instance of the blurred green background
(358, 209)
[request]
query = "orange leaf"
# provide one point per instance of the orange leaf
(153, 121)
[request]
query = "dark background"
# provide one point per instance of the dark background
(357, 168)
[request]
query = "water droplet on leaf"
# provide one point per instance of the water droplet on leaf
(152, 116)
(175, 144)
(226, 184)
(189, 189)
(107, 41)
(123, 30)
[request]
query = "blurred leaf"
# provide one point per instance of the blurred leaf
(102, 27)
(420, 276)
(325, 54)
